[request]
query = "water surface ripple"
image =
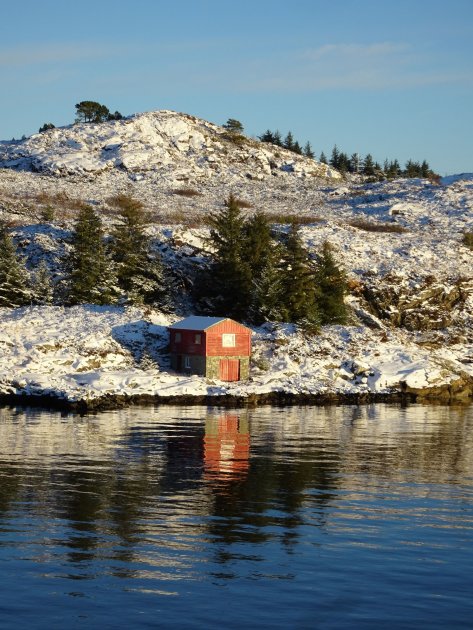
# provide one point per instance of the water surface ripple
(340, 517)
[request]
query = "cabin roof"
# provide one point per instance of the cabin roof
(197, 322)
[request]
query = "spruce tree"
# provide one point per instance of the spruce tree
(296, 147)
(228, 284)
(289, 141)
(277, 140)
(267, 290)
(14, 278)
(332, 287)
(308, 150)
(267, 136)
(368, 165)
(323, 158)
(262, 255)
(354, 163)
(257, 242)
(42, 288)
(138, 275)
(298, 286)
(334, 157)
(90, 276)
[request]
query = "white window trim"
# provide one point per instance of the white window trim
(228, 340)
(198, 339)
(187, 363)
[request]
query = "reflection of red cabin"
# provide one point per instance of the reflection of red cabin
(215, 347)
(226, 446)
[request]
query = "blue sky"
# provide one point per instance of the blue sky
(391, 78)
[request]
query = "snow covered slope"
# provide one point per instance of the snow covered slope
(401, 243)
(177, 146)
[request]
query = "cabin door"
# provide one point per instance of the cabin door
(229, 370)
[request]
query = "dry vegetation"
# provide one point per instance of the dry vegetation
(371, 226)
(186, 192)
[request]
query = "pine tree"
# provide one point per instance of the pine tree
(42, 288)
(323, 158)
(413, 169)
(262, 255)
(354, 163)
(267, 136)
(334, 159)
(229, 280)
(277, 140)
(90, 277)
(332, 287)
(140, 277)
(14, 278)
(297, 279)
(425, 169)
(308, 150)
(233, 126)
(257, 242)
(267, 290)
(368, 166)
(296, 147)
(289, 141)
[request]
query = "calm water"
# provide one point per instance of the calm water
(273, 518)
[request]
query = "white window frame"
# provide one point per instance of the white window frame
(198, 339)
(187, 363)
(228, 340)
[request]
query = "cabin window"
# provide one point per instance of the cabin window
(228, 340)
(187, 363)
(198, 338)
(177, 338)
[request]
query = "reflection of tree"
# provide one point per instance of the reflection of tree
(272, 496)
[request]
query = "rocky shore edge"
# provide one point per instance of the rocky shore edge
(457, 391)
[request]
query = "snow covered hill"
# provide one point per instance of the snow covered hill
(176, 146)
(401, 243)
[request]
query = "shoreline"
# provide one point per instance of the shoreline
(110, 402)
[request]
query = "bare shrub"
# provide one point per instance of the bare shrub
(125, 202)
(467, 239)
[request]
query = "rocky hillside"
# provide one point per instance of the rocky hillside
(402, 243)
(177, 147)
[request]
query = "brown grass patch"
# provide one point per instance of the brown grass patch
(370, 226)
(187, 192)
(241, 203)
(288, 218)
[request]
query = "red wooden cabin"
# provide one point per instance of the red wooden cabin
(215, 347)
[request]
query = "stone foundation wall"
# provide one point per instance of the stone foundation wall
(213, 367)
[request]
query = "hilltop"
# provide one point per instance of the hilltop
(174, 147)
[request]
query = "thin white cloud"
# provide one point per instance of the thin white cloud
(374, 66)
(354, 51)
(33, 55)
